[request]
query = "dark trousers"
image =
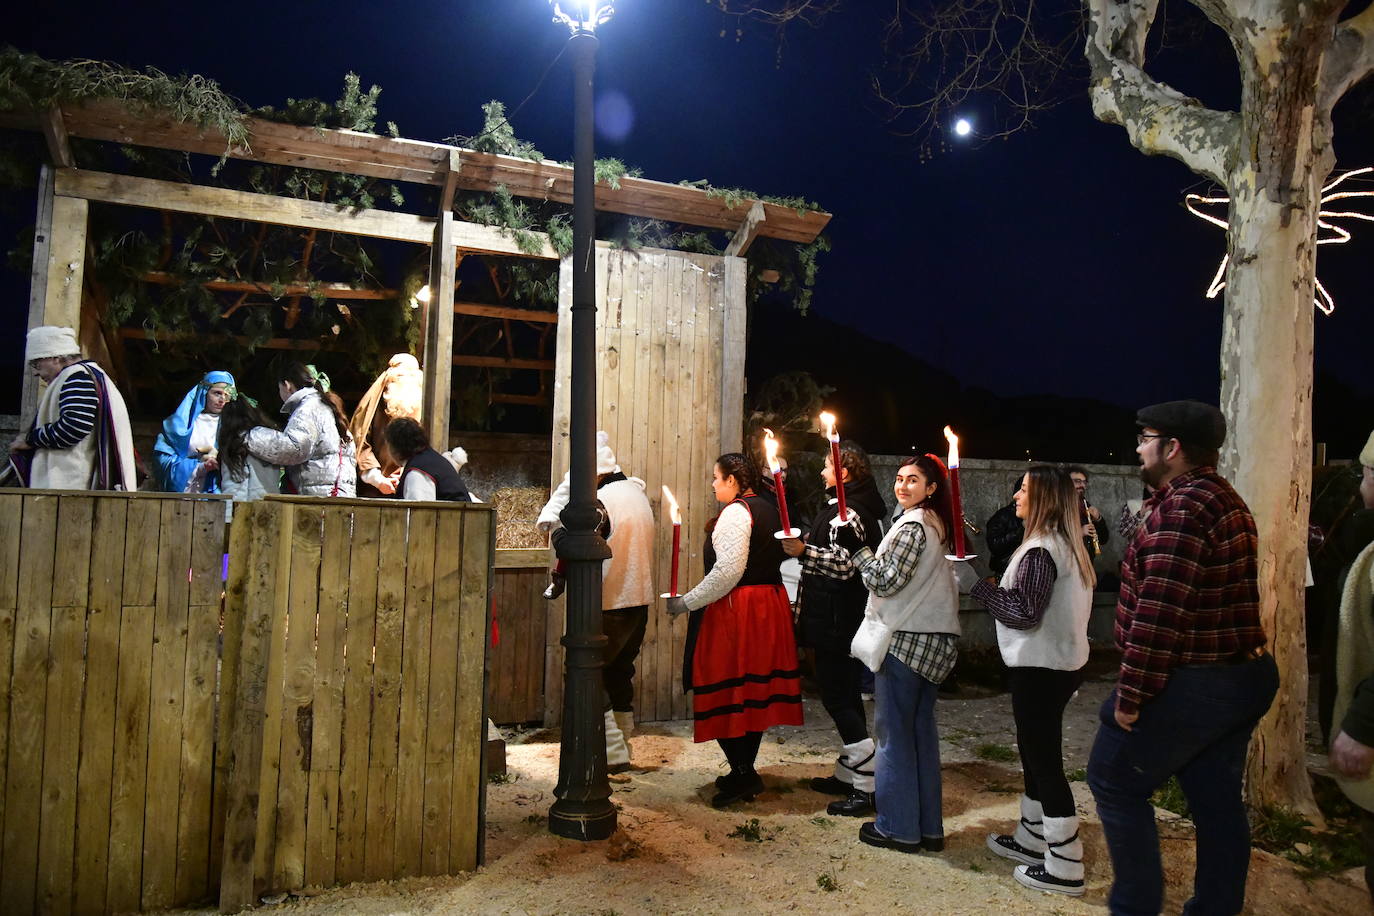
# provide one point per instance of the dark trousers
(741, 752)
(837, 674)
(1197, 728)
(624, 629)
(1038, 698)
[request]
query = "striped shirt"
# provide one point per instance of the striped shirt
(77, 404)
(1023, 604)
(1189, 590)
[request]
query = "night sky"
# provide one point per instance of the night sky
(1059, 261)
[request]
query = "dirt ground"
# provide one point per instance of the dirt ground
(673, 853)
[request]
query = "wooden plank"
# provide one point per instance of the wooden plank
(130, 768)
(450, 176)
(746, 233)
(249, 620)
(66, 260)
(178, 197)
(380, 856)
(415, 673)
(231, 655)
(98, 712)
(481, 310)
(522, 558)
(55, 133)
(331, 290)
(297, 700)
(357, 696)
(11, 518)
(28, 701)
(38, 287)
(469, 782)
(166, 705)
(66, 675)
(194, 835)
(438, 340)
(322, 813)
(437, 824)
(428, 163)
(558, 466)
(670, 467)
(503, 362)
(140, 561)
(733, 293)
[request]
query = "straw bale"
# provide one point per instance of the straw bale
(517, 508)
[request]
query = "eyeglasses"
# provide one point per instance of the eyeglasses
(1141, 438)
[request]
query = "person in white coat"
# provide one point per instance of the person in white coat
(1041, 608)
(626, 587)
(315, 448)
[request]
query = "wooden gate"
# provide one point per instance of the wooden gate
(670, 338)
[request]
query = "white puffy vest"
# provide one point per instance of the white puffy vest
(1060, 640)
(929, 602)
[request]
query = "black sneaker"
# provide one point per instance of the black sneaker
(830, 785)
(858, 804)
(1006, 846)
(745, 788)
(933, 843)
(1035, 876)
(868, 833)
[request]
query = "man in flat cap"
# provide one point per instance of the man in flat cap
(80, 438)
(1195, 676)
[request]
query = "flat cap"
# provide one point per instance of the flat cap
(1192, 422)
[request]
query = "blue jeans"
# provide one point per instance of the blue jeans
(1197, 728)
(908, 758)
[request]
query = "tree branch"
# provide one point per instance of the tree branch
(1350, 58)
(1158, 118)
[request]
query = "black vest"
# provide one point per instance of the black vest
(765, 551)
(447, 484)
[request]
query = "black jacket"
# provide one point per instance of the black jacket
(1004, 533)
(832, 608)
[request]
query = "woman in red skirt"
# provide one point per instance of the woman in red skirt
(741, 656)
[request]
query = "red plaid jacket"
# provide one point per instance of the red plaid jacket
(1189, 594)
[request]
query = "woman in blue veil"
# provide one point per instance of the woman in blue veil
(185, 449)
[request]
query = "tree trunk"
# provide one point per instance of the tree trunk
(1266, 367)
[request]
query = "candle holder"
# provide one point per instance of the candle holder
(789, 533)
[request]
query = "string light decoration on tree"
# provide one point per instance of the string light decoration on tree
(1339, 235)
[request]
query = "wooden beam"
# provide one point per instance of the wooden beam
(746, 233)
(427, 163)
(66, 262)
(481, 310)
(55, 132)
(438, 349)
(450, 180)
(331, 290)
(38, 289)
(272, 343)
(533, 400)
(522, 557)
(501, 362)
(283, 211)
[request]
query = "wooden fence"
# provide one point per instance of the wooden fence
(352, 679)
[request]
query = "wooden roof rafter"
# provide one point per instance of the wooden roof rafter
(436, 164)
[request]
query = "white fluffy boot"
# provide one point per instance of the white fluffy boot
(855, 765)
(617, 748)
(1027, 843)
(626, 723)
(1062, 870)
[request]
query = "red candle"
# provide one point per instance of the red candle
(958, 506)
(828, 419)
(770, 448)
(677, 539)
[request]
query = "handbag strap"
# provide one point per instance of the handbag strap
(338, 474)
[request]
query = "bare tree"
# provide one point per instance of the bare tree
(1296, 59)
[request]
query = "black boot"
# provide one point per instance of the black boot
(858, 804)
(740, 787)
(830, 785)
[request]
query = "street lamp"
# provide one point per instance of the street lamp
(583, 810)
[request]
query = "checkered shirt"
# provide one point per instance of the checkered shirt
(931, 655)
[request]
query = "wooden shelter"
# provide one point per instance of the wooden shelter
(671, 325)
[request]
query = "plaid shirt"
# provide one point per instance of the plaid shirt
(1189, 591)
(884, 575)
(830, 561)
(931, 655)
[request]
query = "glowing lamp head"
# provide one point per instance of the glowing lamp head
(770, 449)
(963, 127)
(582, 15)
(828, 421)
(673, 512)
(953, 448)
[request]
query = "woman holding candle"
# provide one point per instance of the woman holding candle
(832, 605)
(741, 657)
(1041, 607)
(914, 597)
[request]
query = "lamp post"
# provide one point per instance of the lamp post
(583, 810)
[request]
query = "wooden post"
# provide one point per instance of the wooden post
(438, 350)
(38, 286)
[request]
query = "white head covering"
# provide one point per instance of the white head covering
(605, 458)
(50, 340)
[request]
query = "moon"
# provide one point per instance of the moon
(962, 127)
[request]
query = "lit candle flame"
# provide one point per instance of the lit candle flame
(770, 448)
(828, 421)
(672, 506)
(953, 447)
